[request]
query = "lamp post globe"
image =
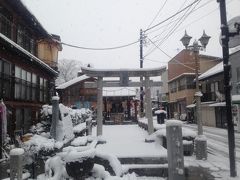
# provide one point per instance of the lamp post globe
(186, 39)
(204, 39)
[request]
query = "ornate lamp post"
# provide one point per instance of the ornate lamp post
(201, 142)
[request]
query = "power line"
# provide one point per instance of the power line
(99, 49)
(171, 57)
(169, 32)
(180, 21)
(158, 13)
(171, 16)
(159, 48)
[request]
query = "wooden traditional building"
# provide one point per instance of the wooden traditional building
(74, 94)
(28, 64)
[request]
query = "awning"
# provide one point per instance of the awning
(191, 106)
(236, 99)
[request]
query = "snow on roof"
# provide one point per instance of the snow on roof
(236, 97)
(15, 45)
(214, 70)
(73, 81)
(118, 91)
(219, 104)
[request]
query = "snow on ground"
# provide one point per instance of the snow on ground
(128, 141)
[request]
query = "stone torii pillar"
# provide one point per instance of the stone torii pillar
(99, 105)
(148, 105)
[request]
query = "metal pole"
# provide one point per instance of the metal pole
(141, 66)
(1, 133)
(198, 94)
(227, 86)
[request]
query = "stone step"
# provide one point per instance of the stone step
(143, 160)
(161, 170)
(156, 170)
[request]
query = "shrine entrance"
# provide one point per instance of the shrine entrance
(124, 81)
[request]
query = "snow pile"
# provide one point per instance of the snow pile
(160, 111)
(79, 128)
(173, 123)
(16, 152)
(80, 141)
(67, 123)
(113, 161)
(39, 143)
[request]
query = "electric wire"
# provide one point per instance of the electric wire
(171, 57)
(182, 10)
(179, 22)
(164, 30)
(158, 13)
(99, 49)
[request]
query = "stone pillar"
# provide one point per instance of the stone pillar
(99, 106)
(148, 105)
(89, 126)
(201, 147)
(16, 163)
(55, 116)
(175, 150)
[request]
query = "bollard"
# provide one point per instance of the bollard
(201, 147)
(175, 150)
(89, 126)
(16, 163)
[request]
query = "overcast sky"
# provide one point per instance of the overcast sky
(110, 23)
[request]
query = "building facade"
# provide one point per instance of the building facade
(25, 79)
(181, 75)
(74, 94)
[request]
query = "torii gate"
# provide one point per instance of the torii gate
(124, 75)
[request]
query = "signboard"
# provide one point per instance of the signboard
(124, 79)
(234, 41)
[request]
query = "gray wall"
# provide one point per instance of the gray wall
(235, 62)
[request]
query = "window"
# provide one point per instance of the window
(190, 82)
(23, 87)
(17, 94)
(34, 87)
(182, 84)
(5, 81)
(28, 90)
(5, 22)
(41, 92)
(173, 86)
(24, 39)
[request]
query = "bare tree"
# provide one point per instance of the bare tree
(68, 70)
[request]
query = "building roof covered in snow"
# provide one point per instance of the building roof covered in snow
(72, 82)
(212, 71)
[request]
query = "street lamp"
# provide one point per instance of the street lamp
(201, 142)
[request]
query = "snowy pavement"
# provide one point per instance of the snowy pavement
(217, 140)
(128, 141)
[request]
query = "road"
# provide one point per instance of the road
(217, 140)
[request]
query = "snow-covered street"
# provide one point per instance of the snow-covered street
(217, 140)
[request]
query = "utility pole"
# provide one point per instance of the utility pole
(141, 66)
(227, 67)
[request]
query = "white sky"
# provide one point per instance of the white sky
(108, 23)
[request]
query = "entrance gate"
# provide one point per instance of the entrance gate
(124, 75)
